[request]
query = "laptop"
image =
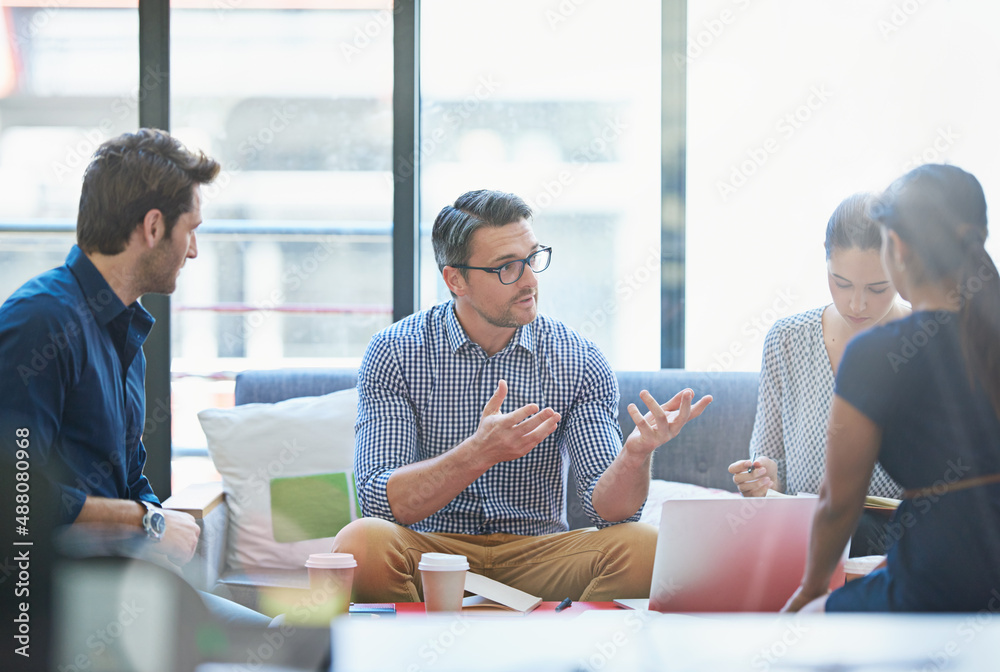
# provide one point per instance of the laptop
(731, 555)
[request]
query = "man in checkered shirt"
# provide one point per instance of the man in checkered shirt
(468, 416)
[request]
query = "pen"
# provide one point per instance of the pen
(564, 604)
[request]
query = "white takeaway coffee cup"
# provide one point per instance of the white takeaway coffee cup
(331, 576)
(443, 578)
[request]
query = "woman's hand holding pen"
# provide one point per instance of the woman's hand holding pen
(754, 478)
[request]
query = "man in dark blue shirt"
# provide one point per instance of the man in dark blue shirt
(72, 369)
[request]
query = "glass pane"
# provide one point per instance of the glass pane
(560, 104)
(67, 83)
(294, 265)
(846, 97)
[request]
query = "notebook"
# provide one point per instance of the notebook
(732, 555)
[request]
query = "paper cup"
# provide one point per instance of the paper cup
(331, 576)
(443, 578)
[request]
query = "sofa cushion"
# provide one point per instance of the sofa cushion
(662, 491)
(287, 473)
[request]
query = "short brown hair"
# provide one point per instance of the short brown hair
(131, 175)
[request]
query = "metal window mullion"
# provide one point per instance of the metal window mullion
(673, 120)
(154, 112)
(406, 158)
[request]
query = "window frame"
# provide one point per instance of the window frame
(154, 111)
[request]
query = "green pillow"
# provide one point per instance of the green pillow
(312, 507)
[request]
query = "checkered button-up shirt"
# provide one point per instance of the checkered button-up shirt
(422, 388)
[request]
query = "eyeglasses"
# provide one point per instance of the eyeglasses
(511, 272)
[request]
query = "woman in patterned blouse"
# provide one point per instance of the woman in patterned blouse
(801, 356)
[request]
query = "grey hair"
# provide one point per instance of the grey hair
(455, 224)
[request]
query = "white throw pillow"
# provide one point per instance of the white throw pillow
(661, 491)
(298, 453)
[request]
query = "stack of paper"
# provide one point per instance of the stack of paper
(883, 503)
(490, 594)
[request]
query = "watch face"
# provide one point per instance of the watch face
(157, 523)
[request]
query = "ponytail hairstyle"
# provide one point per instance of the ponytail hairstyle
(851, 226)
(940, 212)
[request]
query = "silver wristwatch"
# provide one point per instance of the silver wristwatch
(154, 522)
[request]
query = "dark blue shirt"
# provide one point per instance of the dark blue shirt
(72, 374)
(910, 378)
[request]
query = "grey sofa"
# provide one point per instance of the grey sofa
(699, 455)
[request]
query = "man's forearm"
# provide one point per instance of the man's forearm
(623, 488)
(112, 512)
(416, 491)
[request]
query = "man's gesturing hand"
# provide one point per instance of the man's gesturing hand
(502, 437)
(663, 421)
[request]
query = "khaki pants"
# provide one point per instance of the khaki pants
(587, 564)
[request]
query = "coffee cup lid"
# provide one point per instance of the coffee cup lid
(331, 561)
(442, 562)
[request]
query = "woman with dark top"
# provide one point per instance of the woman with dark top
(922, 396)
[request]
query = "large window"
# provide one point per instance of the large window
(641, 184)
(792, 106)
(294, 264)
(67, 82)
(559, 104)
